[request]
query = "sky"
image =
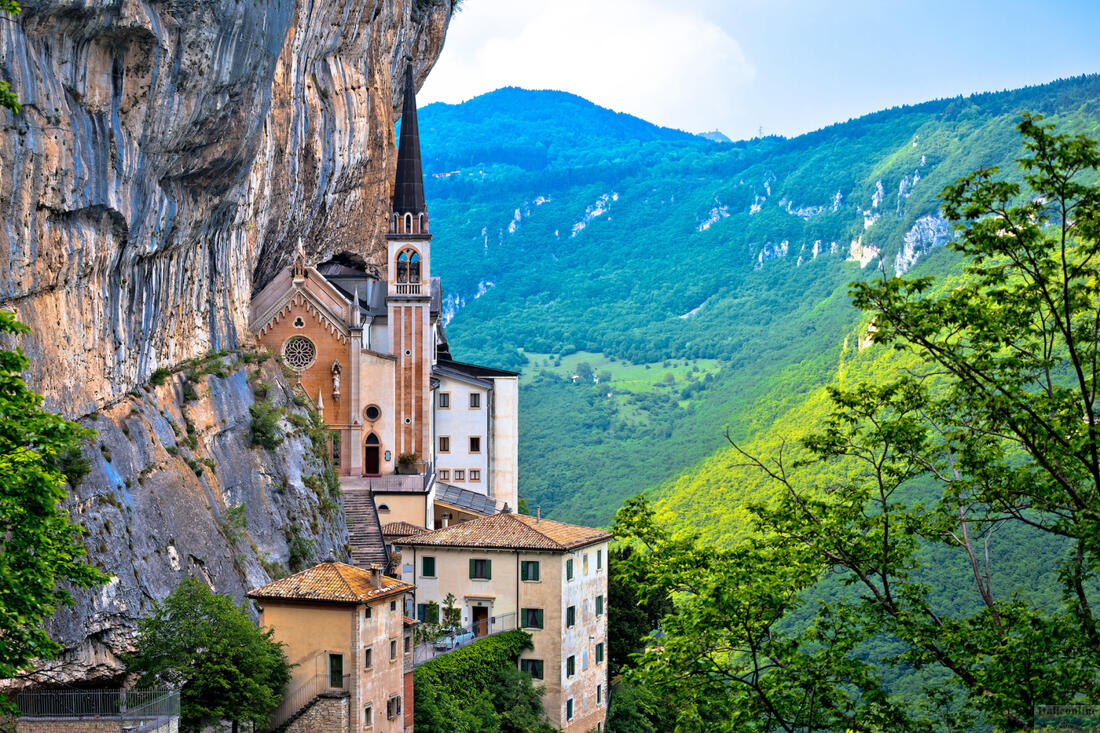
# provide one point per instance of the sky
(772, 67)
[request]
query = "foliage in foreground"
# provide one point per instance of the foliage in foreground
(227, 668)
(479, 688)
(39, 545)
(997, 429)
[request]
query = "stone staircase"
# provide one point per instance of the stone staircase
(364, 532)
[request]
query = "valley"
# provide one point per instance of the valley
(570, 233)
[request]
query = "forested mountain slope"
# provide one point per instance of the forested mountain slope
(689, 285)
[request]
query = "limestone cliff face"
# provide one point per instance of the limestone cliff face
(168, 157)
(179, 488)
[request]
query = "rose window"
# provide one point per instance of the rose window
(299, 352)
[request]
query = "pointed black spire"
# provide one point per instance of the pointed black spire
(408, 189)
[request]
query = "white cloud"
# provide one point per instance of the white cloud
(665, 64)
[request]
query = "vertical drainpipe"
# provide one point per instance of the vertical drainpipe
(489, 438)
(517, 591)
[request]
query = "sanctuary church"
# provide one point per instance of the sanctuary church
(417, 436)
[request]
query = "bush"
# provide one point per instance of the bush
(159, 376)
(265, 426)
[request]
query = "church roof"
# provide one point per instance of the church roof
(408, 190)
(508, 531)
(475, 370)
(330, 581)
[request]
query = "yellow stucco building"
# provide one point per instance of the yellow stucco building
(548, 578)
(344, 631)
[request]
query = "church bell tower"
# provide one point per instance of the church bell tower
(409, 287)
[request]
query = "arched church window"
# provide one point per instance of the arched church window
(408, 223)
(408, 266)
(372, 439)
(299, 353)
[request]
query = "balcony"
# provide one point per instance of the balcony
(428, 650)
(407, 288)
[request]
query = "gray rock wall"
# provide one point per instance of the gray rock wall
(167, 158)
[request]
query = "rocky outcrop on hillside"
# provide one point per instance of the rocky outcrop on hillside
(168, 157)
(181, 484)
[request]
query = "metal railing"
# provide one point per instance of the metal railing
(408, 288)
(136, 710)
(429, 650)
(303, 695)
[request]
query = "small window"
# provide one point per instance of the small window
(599, 605)
(393, 606)
(372, 412)
(475, 474)
(569, 707)
(445, 400)
(393, 707)
(571, 666)
(366, 612)
(569, 569)
(335, 670)
(444, 474)
(460, 474)
(532, 667)
(335, 449)
(368, 657)
(481, 568)
(475, 444)
(383, 509)
(584, 562)
(368, 716)
(531, 618)
(571, 616)
(393, 649)
(599, 559)
(444, 444)
(584, 659)
(599, 694)
(529, 570)
(408, 643)
(475, 400)
(599, 653)
(427, 567)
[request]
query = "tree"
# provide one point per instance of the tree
(584, 371)
(39, 545)
(995, 430)
(226, 667)
(630, 618)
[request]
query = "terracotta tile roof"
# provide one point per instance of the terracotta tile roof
(400, 529)
(330, 581)
(510, 531)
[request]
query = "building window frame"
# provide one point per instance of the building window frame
(393, 650)
(393, 707)
(481, 568)
(599, 605)
(460, 474)
(368, 716)
(427, 566)
(599, 653)
(571, 666)
(444, 444)
(570, 617)
(475, 400)
(475, 444)
(569, 569)
(368, 657)
(444, 474)
(529, 571)
(475, 474)
(533, 667)
(532, 618)
(444, 400)
(569, 709)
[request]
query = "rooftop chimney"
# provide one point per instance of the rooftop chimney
(376, 575)
(538, 513)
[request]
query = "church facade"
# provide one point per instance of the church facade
(434, 440)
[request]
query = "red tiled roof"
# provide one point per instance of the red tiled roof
(330, 581)
(400, 529)
(510, 531)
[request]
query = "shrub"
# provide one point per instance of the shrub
(159, 376)
(265, 426)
